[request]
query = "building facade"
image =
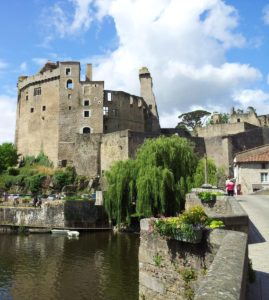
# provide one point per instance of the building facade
(68, 119)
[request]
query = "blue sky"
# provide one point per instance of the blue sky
(208, 54)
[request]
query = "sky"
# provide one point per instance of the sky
(202, 54)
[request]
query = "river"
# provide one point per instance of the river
(96, 266)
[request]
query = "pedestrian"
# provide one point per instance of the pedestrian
(230, 187)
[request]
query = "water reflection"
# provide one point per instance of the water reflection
(96, 266)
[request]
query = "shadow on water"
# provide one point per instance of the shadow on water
(254, 235)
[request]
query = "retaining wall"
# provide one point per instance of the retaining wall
(219, 264)
(56, 214)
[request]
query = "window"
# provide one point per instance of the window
(86, 130)
(263, 165)
(43, 108)
(238, 120)
(37, 91)
(87, 113)
(86, 102)
(264, 177)
(69, 96)
(69, 107)
(105, 111)
(69, 84)
(32, 110)
(68, 71)
(109, 97)
(64, 163)
(26, 97)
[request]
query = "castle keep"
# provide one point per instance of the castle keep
(79, 122)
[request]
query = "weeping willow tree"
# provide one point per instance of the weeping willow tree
(156, 181)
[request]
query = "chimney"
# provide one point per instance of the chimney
(89, 72)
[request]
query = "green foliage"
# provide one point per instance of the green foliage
(41, 160)
(155, 182)
(13, 171)
(188, 274)
(64, 177)
(8, 156)
(214, 174)
(184, 226)
(216, 224)
(192, 119)
(34, 183)
(157, 259)
(208, 196)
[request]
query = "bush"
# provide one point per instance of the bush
(64, 177)
(13, 171)
(34, 183)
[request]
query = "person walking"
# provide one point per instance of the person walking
(230, 187)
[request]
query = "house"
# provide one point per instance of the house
(251, 169)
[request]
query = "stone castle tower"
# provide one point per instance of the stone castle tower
(57, 113)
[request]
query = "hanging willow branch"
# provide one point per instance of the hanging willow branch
(156, 180)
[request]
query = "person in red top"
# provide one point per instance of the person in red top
(230, 187)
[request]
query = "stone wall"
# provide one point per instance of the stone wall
(87, 154)
(56, 214)
(218, 263)
(223, 129)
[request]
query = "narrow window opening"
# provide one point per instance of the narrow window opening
(32, 110)
(68, 71)
(37, 91)
(109, 97)
(86, 130)
(69, 84)
(64, 162)
(264, 177)
(105, 111)
(43, 118)
(43, 108)
(26, 97)
(86, 113)
(86, 102)
(238, 120)
(69, 96)
(69, 107)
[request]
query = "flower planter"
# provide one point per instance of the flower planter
(196, 237)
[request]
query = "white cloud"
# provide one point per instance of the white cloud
(8, 118)
(58, 18)
(184, 45)
(255, 98)
(265, 15)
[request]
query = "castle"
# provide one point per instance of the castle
(80, 123)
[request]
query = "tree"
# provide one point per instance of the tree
(8, 156)
(192, 119)
(154, 183)
(224, 118)
(215, 176)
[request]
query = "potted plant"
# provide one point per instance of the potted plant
(187, 227)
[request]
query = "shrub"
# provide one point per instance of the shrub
(13, 171)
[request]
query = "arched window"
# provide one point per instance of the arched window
(86, 130)
(69, 84)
